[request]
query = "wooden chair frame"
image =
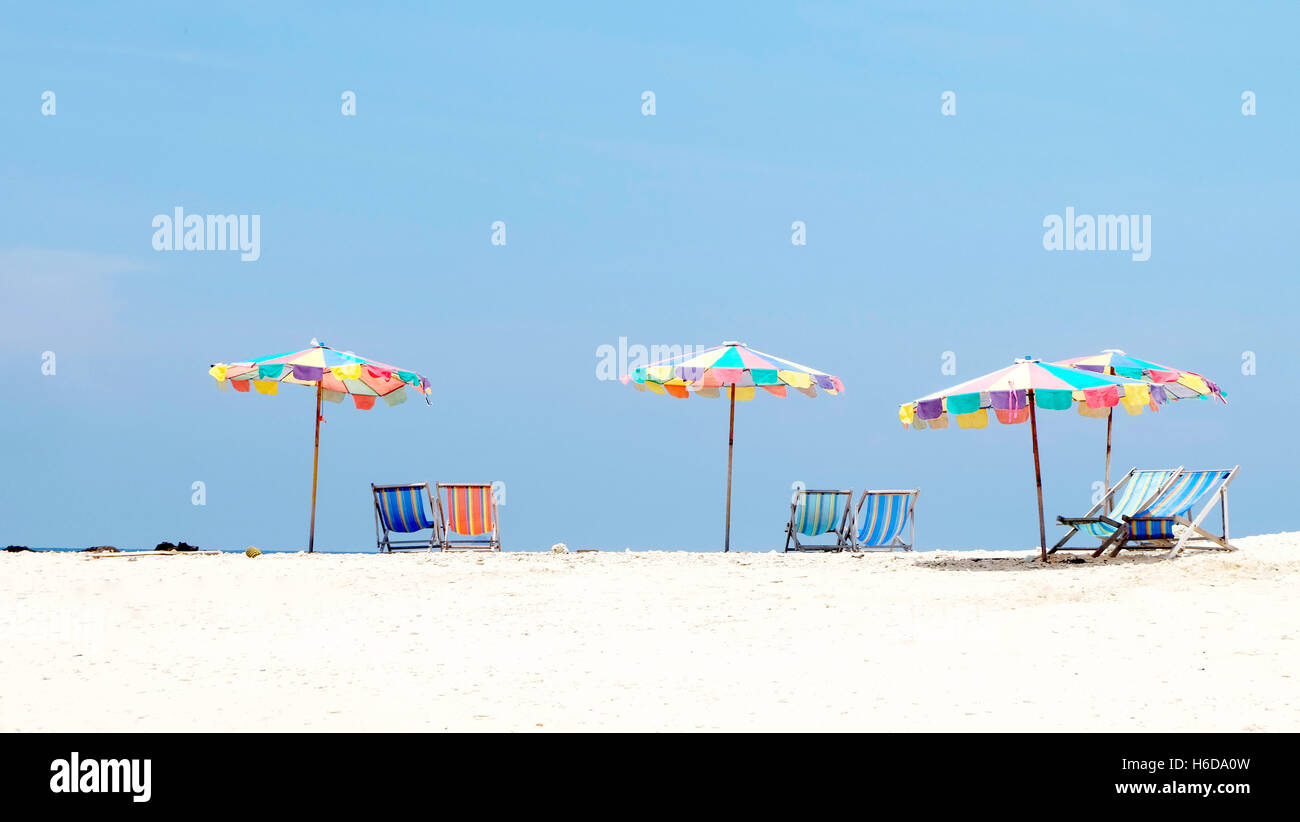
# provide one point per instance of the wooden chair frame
(1192, 527)
(1095, 513)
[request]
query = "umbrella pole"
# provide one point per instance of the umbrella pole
(1110, 417)
(315, 464)
(731, 441)
(1038, 478)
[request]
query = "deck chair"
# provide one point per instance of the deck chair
(1125, 498)
(469, 520)
(814, 513)
(1167, 522)
(880, 518)
(400, 509)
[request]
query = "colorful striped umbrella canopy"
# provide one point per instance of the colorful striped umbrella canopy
(1014, 393)
(1175, 383)
(334, 374)
(738, 369)
(734, 366)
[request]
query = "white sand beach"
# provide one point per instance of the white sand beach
(968, 641)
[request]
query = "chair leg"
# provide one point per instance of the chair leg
(1208, 536)
(1064, 540)
(1178, 545)
(1223, 495)
(1106, 543)
(1118, 539)
(1194, 526)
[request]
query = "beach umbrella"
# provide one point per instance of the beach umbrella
(738, 370)
(1175, 383)
(334, 375)
(1015, 392)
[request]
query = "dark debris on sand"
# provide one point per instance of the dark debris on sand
(180, 546)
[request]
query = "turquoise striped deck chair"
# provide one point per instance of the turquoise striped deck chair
(400, 509)
(880, 518)
(1123, 499)
(814, 513)
(1167, 522)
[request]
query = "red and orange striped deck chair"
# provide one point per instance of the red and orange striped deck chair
(468, 513)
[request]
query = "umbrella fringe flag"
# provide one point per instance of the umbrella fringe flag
(737, 370)
(334, 375)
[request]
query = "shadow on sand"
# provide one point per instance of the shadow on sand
(1028, 562)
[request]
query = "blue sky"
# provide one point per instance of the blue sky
(924, 235)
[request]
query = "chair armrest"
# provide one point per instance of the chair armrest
(1087, 520)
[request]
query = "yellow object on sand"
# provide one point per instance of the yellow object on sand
(252, 552)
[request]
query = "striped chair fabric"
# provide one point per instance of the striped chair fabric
(402, 508)
(1156, 521)
(819, 512)
(469, 509)
(882, 517)
(1139, 488)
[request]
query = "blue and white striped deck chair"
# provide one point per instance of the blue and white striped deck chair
(1166, 523)
(1125, 498)
(880, 518)
(401, 509)
(813, 513)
